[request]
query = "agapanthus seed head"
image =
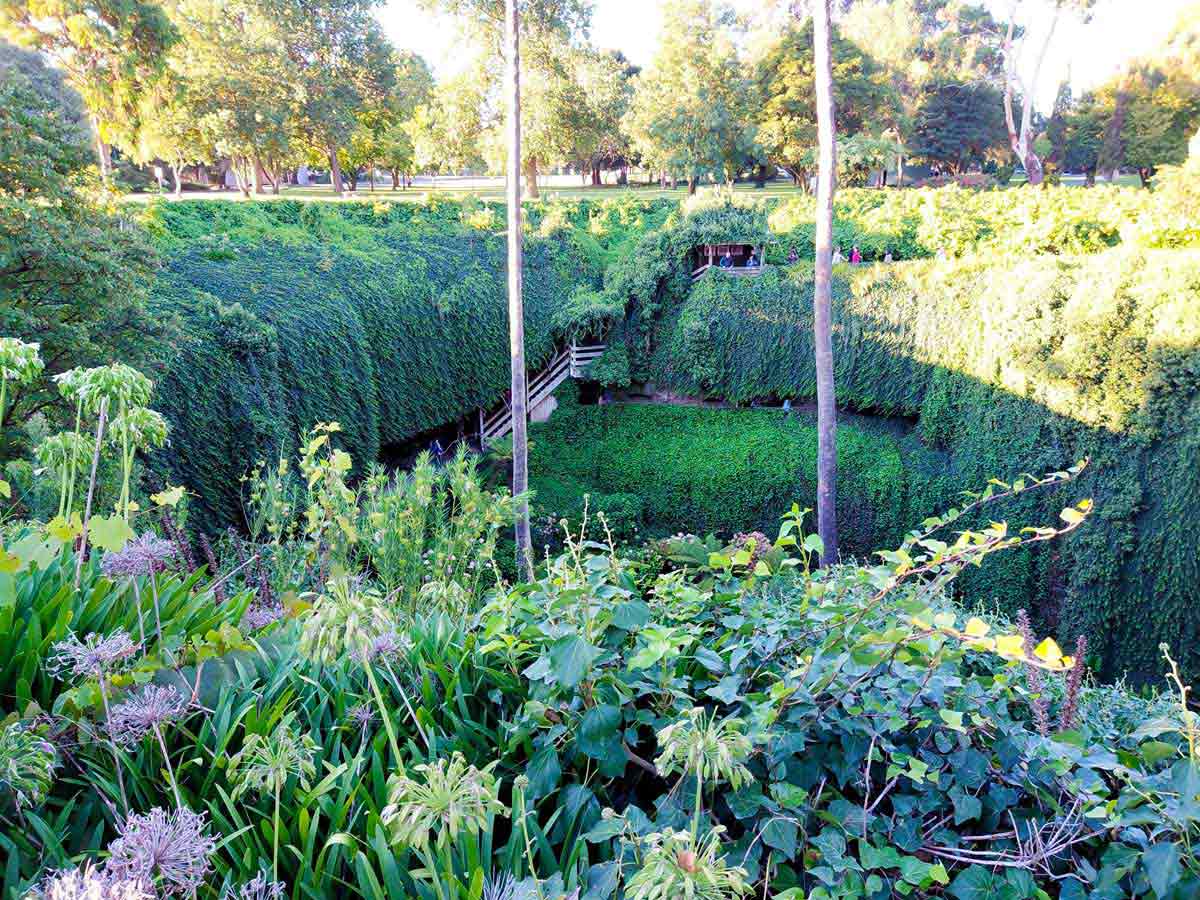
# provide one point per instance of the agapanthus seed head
(93, 657)
(260, 887)
(145, 710)
(89, 883)
(170, 850)
(143, 555)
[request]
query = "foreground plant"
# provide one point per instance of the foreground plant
(443, 800)
(143, 557)
(146, 712)
(170, 851)
(90, 883)
(27, 762)
(346, 622)
(97, 657)
(710, 749)
(677, 867)
(266, 763)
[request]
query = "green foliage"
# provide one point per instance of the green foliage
(397, 328)
(1052, 360)
(73, 274)
(959, 124)
(836, 734)
(707, 470)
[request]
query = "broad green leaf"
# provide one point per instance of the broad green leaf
(570, 659)
(109, 533)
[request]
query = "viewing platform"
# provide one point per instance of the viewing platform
(741, 260)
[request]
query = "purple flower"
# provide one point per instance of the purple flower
(388, 643)
(258, 888)
(93, 657)
(260, 615)
(167, 849)
(362, 716)
(89, 883)
(141, 556)
(143, 712)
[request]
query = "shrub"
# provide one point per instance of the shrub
(1008, 365)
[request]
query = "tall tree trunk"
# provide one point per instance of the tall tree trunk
(516, 307)
(239, 176)
(103, 152)
(256, 172)
(596, 181)
(335, 172)
(395, 179)
(177, 171)
(899, 170)
(691, 185)
(822, 278)
(1020, 139)
(531, 173)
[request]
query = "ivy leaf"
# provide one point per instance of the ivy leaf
(1162, 867)
(570, 659)
(110, 533)
(599, 737)
(977, 883)
(543, 773)
(727, 689)
(780, 834)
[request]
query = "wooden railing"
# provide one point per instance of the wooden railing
(567, 363)
(739, 271)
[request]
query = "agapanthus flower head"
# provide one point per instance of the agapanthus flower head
(704, 746)
(267, 761)
(27, 762)
(361, 716)
(259, 615)
(169, 850)
(145, 710)
(344, 622)
(260, 887)
(386, 644)
(143, 555)
(499, 886)
(89, 883)
(94, 656)
(439, 801)
(674, 865)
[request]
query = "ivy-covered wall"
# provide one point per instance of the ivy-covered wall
(390, 337)
(1009, 365)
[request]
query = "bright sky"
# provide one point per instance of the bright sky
(1120, 30)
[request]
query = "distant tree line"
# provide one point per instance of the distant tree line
(260, 87)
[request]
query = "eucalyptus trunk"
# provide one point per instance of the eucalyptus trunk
(516, 308)
(335, 172)
(822, 278)
(531, 176)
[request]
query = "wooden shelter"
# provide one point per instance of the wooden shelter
(707, 256)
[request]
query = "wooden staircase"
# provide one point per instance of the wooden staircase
(570, 362)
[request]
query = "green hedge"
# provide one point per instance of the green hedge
(669, 469)
(1010, 365)
(390, 343)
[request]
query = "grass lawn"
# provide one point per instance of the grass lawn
(566, 187)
